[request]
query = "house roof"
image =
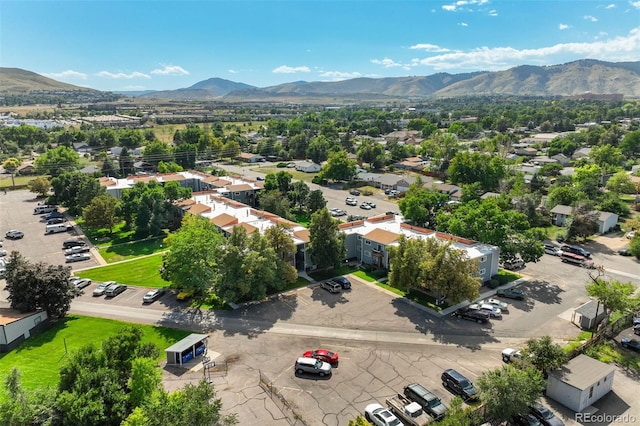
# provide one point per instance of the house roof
(603, 216)
(224, 220)
(562, 209)
(302, 235)
(247, 227)
(199, 208)
(187, 342)
(240, 187)
(9, 315)
(582, 372)
(382, 236)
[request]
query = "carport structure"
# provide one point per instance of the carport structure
(186, 349)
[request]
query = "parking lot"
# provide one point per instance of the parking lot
(16, 211)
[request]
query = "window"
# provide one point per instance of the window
(482, 271)
(367, 242)
(367, 253)
(236, 193)
(591, 392)
(359, 237)
(483, 259)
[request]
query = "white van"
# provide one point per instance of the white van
(60, 227)
(44, 209)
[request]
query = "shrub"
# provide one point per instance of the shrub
(493, 283)
(281, 165)
(319, 181)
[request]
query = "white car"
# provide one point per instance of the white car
(3, 253)
(495, 303)
(77, 257)
(380, 416)
(14, 234)
(491, 310)
(510, 354)
(631, 234)
(99, 291)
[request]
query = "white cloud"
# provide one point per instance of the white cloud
(340, 75)
(464, 5)
(68, 74)
(121, 75)
(636, 4)
(390, 63)
(429, 47)
(463, 24)
(563, 27)
(493, 12)
(170, 70)
(616, 49)
(590, 18)
(610, 6)
(284, 69)
(233, 72)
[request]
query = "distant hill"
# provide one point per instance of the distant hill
(570, 79)
(207, 89)
(573, 78)
(17, 81)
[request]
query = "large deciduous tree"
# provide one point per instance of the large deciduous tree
(470, 167)
(40, 186)
(39, 286)
(420, 204)
(613, 295)
(75, 191)
(316, 201)
(433, 265)
(339, 167)
(275, 202)
(101, 213)
(57, 161)
(192, 260)
(492, 222)
(508, 391)
(326, 241)
(279, 238)
(543, 354)
(11, 165)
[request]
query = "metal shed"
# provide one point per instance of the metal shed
(586, 317)
(186, 349)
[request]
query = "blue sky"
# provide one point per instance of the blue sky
(151, 44)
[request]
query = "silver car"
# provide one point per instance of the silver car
(313, 366)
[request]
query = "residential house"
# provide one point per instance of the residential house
(134, 152)
(16, 327)
(562, 159)
(307, 167)
(580, 382)
(250, 158)
(25, 169)
(91, 169)
(411, 163)
(82, 148)
(581, 153)
(606, 220)
(143, 167)
(526, 152)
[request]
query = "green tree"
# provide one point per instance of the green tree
(326, 241)
(508, 391)
(24, 407)
(156, 152)
(613, 295)
(583, 222)
(101, 213)
(359, 421)
(40, 186)
(433, 265)
(587, 179)
(621, 183)
(318, 149)
(32, 287)
(420, 205)
(470, 167)
(608, 157)
(339, 167)
(564, 195)
(130, 138)
(544, 355)
(125, 162)
(279, 238)
(316, 201)
(11, 165)
(109, 168)
(275, 202)
(145, 379)
(299, 194)
(75, 191)
(57, 161)
(192, 260)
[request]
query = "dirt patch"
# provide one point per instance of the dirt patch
(613, 241)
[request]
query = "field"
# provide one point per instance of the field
(142, 272)
(40, 357)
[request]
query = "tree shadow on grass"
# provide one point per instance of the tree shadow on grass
(46, 335)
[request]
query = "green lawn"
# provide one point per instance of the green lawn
(142, 272)
(40, 357)
(303, 218)
(305, 177)
(117, 252)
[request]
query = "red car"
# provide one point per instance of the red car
(323, 355)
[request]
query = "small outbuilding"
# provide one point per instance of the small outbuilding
(16, 327)
(186, 349)
(580, 382)
(588, 315)
(308, 167)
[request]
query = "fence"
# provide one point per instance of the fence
(285, 406)
(604, 332)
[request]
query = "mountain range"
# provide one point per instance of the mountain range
(570, 79)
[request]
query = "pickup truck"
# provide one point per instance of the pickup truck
(409, 412)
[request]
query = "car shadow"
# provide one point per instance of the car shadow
(309, 376)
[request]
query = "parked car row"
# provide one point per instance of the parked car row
(337, 212)
(75, 250)
(109, 289)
